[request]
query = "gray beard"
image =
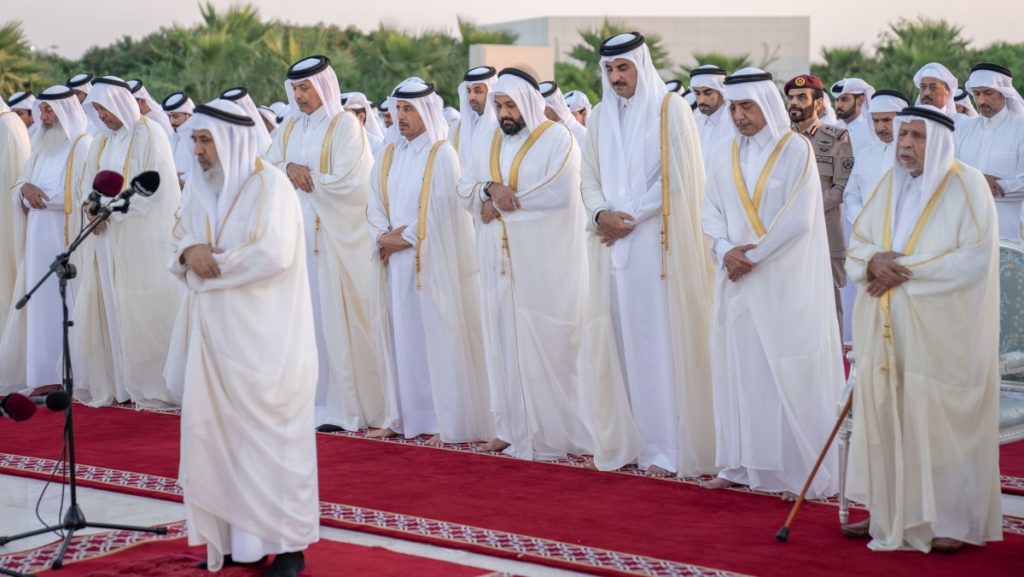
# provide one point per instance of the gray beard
(214, 178)
(49, 141)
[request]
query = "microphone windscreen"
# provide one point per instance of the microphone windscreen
(57, 401)
(146, 183)
(108, 183)
(18, 407)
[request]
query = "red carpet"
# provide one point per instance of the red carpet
(174, 558)
(608, 513)
(1011, 465)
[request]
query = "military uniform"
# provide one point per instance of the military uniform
(834, 155)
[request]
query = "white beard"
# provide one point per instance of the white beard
(49, 141)
(214, 179)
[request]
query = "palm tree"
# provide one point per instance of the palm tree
(18, 68)
(909, 44)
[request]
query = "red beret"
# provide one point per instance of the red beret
(804, 81)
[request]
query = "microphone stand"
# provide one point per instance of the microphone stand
(74, 519)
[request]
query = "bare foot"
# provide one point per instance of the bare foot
(789, 496)
(45, 390)
(858, 530)
(718, 483)
(435, 441)
(492, 446)
(657, 472)
(946, 545)
(381, 433)
(589, 464)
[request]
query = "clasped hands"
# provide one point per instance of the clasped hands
(884, 273)
(199, 259)
(300, 177)
(501, 198)
(391, 242)
(613, 225)
(736, 262)
(35, 196)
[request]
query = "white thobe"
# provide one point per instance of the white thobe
(533, 297)
(30, 348)
(924, 451)
(775, 352)
(714, 130)
(995, 146)
(160, 119)
(871, 164)
(659, 302)
(861, 131)
(349, 393)
(14, 150)
(429, 320)
(248, 448)
(124, 307)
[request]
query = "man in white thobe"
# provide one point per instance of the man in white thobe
(324, 151)
(477, 116)
(873, 161)
(240, 96)
(21, 103)
(179, 108)
(30, 346)
(358, 104)
(964, 106)
(579, 105)
(775, 348)
(937, 87)
(248, 450)
(124, 306)
(522, 188)
(385, 115)
(15, 147)
(713, 123)
(994, 142)
(81, 83)
(269, 119)
(650, 277)
(853, 104)
(924, 451)
(149, 107)
(427, 301)
(557, 110)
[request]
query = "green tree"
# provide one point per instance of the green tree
(568, 76)
(909, 44)
(1004, 54)
(843, 62)
(588, 53)
(19, 68)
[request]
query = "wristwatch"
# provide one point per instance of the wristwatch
(487, 187)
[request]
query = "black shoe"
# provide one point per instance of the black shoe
(328, 428)
(229, 562)
(287, 565)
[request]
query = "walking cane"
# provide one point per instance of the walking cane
(783, 533)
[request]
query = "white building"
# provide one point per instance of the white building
(785, 38)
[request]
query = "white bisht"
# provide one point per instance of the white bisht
(30, 348)
(925, 455)
(426, 300)
(533, 279)
(775, 350)
(333, 144)
(244, 353)
(14, 150)
(124, 306)
(661, 270)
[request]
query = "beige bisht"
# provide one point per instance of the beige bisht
(333, 144)
(926, 403)
(244, 354)
(669, 132)
(14, 151)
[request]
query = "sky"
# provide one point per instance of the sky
(47, 23)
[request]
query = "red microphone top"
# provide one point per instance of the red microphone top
(108, 183)
(18, 407)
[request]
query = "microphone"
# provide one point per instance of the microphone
(55, 401)
(145, 184)
(17, 406)
(107, 183)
